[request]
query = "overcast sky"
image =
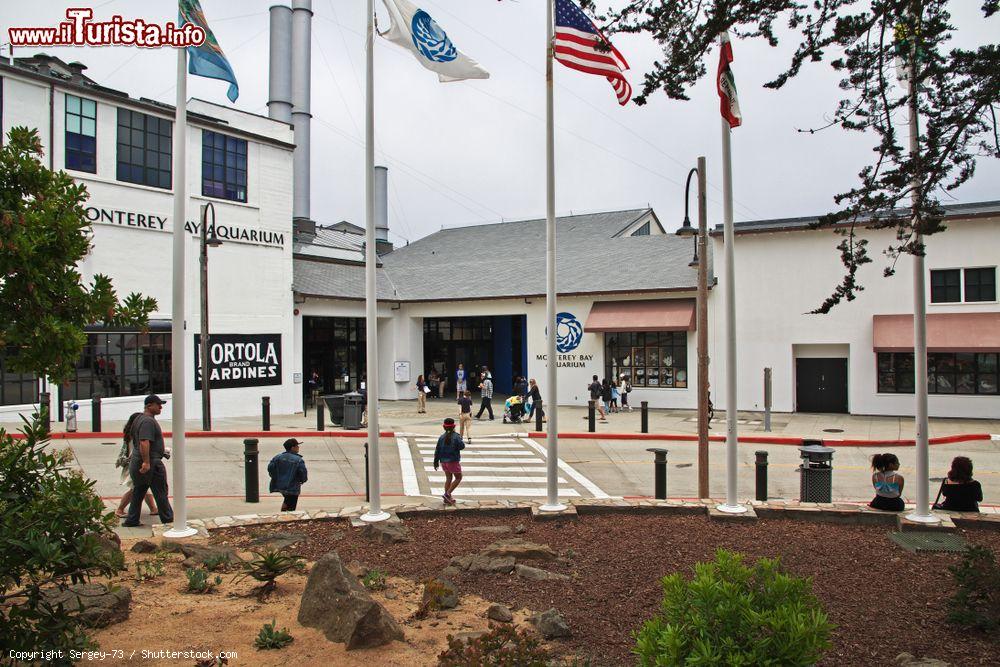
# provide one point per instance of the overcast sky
(468, 152)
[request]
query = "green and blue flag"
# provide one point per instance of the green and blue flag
(206, 60)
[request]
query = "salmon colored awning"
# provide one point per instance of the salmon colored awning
(946, 332)
(648, 315)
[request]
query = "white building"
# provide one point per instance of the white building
(121, 148)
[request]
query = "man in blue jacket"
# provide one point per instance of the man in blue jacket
(288, 472)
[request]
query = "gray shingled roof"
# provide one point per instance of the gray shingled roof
(792, 224)
(508, 260)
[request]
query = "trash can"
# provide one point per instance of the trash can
(816, 472)
(335, 407)
(354, 407)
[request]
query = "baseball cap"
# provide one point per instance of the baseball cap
(291, 442)
(153, 398)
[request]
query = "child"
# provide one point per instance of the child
(626, 388)
(465, 416)
(449, 454)
(887, 482)
(615, 394)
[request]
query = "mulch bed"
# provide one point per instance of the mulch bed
(884, 600)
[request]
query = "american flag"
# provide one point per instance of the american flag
(576, 47)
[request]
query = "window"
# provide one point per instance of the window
(947, 285)
(947, 373)
(642, 231)
(144, 149)
(223, 166)
(121, 364)
(81, 134)
(15, 388)
(981, 284)
(650, 359)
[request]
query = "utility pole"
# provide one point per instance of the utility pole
(702, 325)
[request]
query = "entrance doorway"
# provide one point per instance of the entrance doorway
(821, 385)
(495, 341)
(335, 348)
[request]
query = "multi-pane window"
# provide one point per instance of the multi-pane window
(981, 284)
(948, 285)
(15, 388)
(144, 149)
(81, 134)
(121, 364)
(223, 166)
(947, 373)
(650, 359)
(642, 231)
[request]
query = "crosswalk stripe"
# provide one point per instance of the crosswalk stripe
(517, 468)
(534, 459)
(493, 479)
(504, 491)
(466, 452)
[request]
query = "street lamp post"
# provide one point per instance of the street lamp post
(701, 261)
(206, 241)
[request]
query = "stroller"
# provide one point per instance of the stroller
(513, 410)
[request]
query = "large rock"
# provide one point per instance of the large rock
(551, 624)
(335, 602)
(384, 532)
(519, 549)
(499, 612)
(479, 563)
(535, 574)
(197, 554)
(445, 592)
(909, 660)
(279, 540)
(101, 606)
(144, 547)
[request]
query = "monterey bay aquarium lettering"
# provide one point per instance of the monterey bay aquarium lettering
(158, 223)
(568, 360)
(240, 360)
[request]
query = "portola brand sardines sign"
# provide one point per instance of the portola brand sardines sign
(240, 360)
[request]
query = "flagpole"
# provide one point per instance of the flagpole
(552, 503)
(374, 512)
(731, 505)
(177, 369)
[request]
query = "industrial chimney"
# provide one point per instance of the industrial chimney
(279, 97)
(301, 116)
(382, 244)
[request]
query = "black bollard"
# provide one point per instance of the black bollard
(367, 481)
(761, 464)
(538, 416)
(61, 416)
(45, 410)
(95, 414)
(320, 421)
(265, 413)
(591, 426)
(250, 469)
(644, 416)
(659, 472)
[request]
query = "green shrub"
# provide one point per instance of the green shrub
(50, 520)
(374, 580)
(216, 562)
(146, 570)
(267, 566)
(977, 597)
(269, 638)
(731, 614)
(200, 582)
(434, 593)
(502, 645)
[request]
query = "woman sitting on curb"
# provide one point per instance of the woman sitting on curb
(887, 482)
(961, 492)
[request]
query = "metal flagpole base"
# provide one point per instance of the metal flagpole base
(368, 517)
(558, 507)
(186, 531)
(923, 518)
(731, 509)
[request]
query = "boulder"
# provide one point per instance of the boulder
(102, 606)
(446, 594)
(551, 624)
(519, 549)
(479, 563)
(144, 547)
(909, 660)
(197, 554)
(335, 602)
(386, 533)
(278, 540)
(536, 574)
(499, 612)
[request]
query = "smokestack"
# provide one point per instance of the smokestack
(279, 102)
(382, 245)
(301, 85)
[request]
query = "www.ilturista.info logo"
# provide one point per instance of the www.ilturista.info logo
(80, 30)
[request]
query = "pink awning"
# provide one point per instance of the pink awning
(946, 332)
(648, 315)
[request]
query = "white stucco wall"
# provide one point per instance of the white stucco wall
(781, 276)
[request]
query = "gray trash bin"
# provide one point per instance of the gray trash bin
(353, 408)
(816, 472)
(335, 407)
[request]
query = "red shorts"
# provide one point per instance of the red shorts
(452, 466)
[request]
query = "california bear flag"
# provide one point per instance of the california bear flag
(416, 31)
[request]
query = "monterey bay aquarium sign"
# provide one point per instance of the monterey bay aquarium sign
(160, 223)
(240, 360)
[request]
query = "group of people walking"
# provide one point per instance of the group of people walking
(610, 395)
